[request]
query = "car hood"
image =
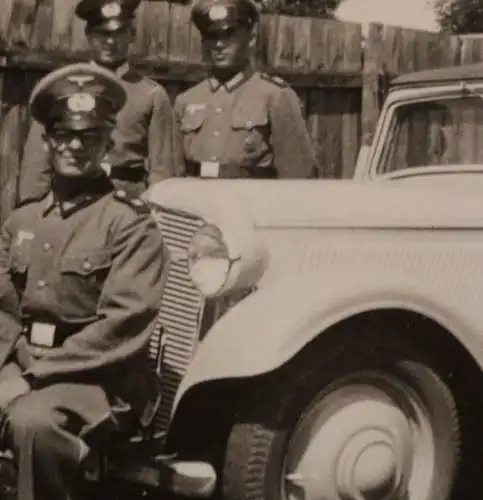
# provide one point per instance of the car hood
(323, 203)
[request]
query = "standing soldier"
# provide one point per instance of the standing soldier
(144, 151)
(239, 122)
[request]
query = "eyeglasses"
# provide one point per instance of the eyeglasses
(87, 138)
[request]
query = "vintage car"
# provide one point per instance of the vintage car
(324, 339)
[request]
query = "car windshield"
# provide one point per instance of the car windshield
(436, 132)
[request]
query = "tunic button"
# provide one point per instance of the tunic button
(216, 133)
(219, 110)
(47, 246)
(41, 284)
(87, 266)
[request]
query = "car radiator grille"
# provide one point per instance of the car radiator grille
(176, 334)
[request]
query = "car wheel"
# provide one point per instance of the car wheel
(365, 422)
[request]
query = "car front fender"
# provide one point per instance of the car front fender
(270, 326)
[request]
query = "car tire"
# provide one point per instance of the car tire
(370, 420)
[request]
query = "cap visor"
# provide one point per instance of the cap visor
(78, 125)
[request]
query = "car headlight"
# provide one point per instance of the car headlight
(209, 260)
(223, 261)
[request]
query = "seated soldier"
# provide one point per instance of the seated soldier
(80, 287)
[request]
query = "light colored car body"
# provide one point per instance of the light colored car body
(336, 248)
(399, 248)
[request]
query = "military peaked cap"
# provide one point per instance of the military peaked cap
(217, 15)
(77, 97)
(110, 15)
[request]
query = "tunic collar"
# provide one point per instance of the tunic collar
(233, 83)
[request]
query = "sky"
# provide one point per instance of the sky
(408, 13)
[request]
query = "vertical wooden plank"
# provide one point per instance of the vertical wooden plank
(153, 27)
(399, 150)
(469, 134)
(324, 124)
(139, 43)
(5, 20)
(352, 34)
(302, 27)
(417, 153)
(390, 44)
(63, 14)
(334, 46)
(284, 43)
(10, 147)
(471, 49)
(267, 41)
(370, 92)
(179, 33)
(262, 58)
(318, 40)
(21, 23)
(78, 40)
(454, 53)
(42, 26)
(351, 131)
(399, 50)
(195, 49)
(441, 50)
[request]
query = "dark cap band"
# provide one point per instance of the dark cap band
(216, 15)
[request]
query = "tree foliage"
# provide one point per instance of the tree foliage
(460, 16)
(312, 8)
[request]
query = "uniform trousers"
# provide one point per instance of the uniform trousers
(43, 434)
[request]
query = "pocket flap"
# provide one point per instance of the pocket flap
(249, 118)
(86, 263)
(193, 118)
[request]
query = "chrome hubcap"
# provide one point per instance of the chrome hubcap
(369, 439)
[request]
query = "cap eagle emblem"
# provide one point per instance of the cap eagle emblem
(218, 13)
(110, 10)
(81, 102)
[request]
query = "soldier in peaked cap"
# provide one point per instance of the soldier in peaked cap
(144, 148)
(80, 285)
(239, 122)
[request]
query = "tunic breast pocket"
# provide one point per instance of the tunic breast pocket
(253, 127)
(82, 279)
(191, 123)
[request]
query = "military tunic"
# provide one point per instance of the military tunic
(93, 268)
(249, 125)
(144, 142)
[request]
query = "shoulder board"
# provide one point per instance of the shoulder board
(280, 82)
(139, 205)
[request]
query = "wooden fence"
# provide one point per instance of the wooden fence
(339, 77)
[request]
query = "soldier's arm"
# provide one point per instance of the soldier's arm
(35, 171)
(293, 150)
(126, 312)
(10, 322)
(165, 157)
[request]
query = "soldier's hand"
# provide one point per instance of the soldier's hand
(12, 389)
